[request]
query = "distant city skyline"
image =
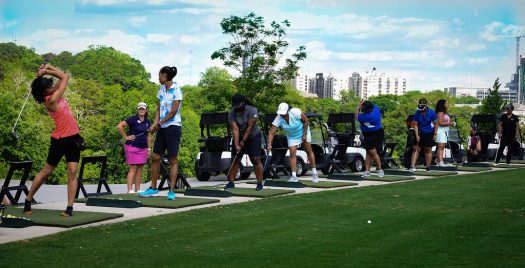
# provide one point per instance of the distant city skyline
(434, 44)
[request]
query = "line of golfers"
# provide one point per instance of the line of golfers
(429, 127)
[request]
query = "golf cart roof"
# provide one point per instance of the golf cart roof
(214, 118)
(340, 118)
(484, 118)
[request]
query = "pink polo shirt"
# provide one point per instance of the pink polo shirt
(65, 123)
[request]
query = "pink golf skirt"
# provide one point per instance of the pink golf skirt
(135, 156)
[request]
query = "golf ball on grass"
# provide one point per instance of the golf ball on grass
(369, 221)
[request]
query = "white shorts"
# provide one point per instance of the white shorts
(293, 141)
(442, 135)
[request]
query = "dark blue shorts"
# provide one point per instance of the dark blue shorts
(168, 139)
(64, 146)
(252, 147)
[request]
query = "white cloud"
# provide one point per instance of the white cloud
(137, 21)
(316, 50)
(478, 60)
(4, 24)
(449, 63)
(390, 56)
(496, 29)
(189, 40)
(445, 43)
(475, 47)
(159, 38)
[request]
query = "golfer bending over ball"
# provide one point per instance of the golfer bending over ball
(295, 124)
(246, 139)
(369, 118)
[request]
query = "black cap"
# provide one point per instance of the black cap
(509, 107)
(238, 100)
(368, 106)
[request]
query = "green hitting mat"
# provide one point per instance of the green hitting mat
(389, 178)
(477, 164)
(49, 217)
(345, 176)
(504, 165)
(237, 191)
(473, 169)
(309, 183)
(154, 201)
(438, 168)
(434, 173)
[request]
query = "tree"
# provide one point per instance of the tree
(255, 51)
(109, 66)
(466, 100)
(348, 96)
(493, 103)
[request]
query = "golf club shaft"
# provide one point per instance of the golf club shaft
(21, 110)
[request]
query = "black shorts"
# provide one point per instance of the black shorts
(168, 139)
(252, 147)
(426, 140)
(64, 146)
(374, 140)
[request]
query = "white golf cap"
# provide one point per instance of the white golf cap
(283, 108)
(142, 105)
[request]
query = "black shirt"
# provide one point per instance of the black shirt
(509, 124)
(242, 121)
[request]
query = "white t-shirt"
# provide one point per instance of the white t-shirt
(166, 99)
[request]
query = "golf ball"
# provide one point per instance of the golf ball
(369, 221)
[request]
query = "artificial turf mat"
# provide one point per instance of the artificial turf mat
(345, 176)
(388, 178)
(477, 164)
(247, 192)
(473, 169)
(438, 168)
(434, 173)
(158, 201)
(320, 184)
(49, 217)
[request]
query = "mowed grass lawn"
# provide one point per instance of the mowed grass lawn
(476, 220)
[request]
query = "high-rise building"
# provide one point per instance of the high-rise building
(319, 86)
(334, 86)
(521, 73)
(481, 93)
(374, 84)
(354, 83)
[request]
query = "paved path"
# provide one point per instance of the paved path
(55, 197)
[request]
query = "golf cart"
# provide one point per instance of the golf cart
(215, 153)
(341, 130)
(279, 162)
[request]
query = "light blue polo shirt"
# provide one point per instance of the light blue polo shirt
(294, 127)
(166, 98)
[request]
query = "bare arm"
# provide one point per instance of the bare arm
(120, 128)
(251, 123)
(500, 129)
(235, 131)
(518, 131)
(60, 86)
(416, 129)
(155, 125)
(270, 137)
(358, 109)
(304, 119)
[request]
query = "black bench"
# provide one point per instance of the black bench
(25, 167)
(100, 161)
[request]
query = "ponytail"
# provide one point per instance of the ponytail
(170, 72)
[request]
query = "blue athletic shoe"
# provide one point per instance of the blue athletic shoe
(230, 185)
(259, 186)
(150, 192)
(171, 195)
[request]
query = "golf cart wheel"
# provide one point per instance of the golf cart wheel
(301, 168)
(203, 176)
(244, 175)
(464, 159)
(357, 165)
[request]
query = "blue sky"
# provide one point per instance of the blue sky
(435, 44)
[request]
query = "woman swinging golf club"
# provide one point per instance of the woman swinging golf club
(246, 139)
(295, 124)
(369, 117)
(65, 138)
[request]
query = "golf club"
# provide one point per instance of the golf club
(233, 161)
(13, 130)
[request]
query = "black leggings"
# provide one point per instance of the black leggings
(505, 141)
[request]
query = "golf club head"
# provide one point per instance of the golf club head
(15, 134)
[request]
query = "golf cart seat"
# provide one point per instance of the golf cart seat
(217, 144)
